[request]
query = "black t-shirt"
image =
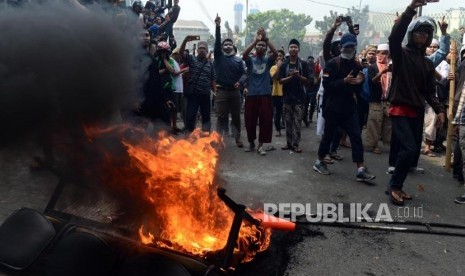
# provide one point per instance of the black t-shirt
(294, 91)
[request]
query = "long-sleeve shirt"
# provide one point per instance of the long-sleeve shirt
(229, 69)
(413, 79)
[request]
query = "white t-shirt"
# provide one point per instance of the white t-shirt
(177, 79)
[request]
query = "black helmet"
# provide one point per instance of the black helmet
(424, 23)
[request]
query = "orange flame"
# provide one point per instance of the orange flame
(174, 179)
(179, 185)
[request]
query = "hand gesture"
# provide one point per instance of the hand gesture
(417, 3)
(351, 79)
(338, 22)
(396, 19)
(295, 73)
(443, 26)
(451, 76)
(218, 20)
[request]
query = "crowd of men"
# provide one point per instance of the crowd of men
(391, 93)
(397, 93)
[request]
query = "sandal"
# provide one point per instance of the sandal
(429, 153)
(297, 149)
(405, 195)
(328, 160)
(287, 147)
(337, 157)
(396, 197)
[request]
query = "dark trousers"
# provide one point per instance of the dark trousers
(395, 145)
(349, 123)
(258, 108)
(228, 101)
(312, 96)
(278, 112)
(362, 112)
(194, 103)
(336, 141)
(405, 132)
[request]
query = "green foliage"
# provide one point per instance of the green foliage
(281, 26)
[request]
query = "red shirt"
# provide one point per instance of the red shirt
(402, 110)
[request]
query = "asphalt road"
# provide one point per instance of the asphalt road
(287, 177)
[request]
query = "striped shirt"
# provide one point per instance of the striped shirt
(202, 74)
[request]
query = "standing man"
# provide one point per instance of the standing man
(277, 94)
(202, 80)
(258, 104)
(229, 69)
(413, 82)
(342, 80)
(379, 79)
(293, 75)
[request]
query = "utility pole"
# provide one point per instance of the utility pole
(246, 21)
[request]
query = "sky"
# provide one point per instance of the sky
(191, 9)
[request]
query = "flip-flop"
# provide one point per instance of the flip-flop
(429, 153)
(396, 197)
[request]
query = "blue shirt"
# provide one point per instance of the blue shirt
(259, 77)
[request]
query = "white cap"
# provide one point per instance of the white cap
(434, 42)
(383, 47)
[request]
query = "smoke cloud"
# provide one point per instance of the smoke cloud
(63, 64)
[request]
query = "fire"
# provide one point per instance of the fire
(178, 185)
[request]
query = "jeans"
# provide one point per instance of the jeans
(194, 103)
(349, 123)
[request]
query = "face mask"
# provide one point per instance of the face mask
(348, 53)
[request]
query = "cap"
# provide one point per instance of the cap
(383, 47)
(434, 42)
(348, 40)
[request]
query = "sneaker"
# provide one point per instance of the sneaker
(417, 170)
(261, 150)
(250, 148)
(460, 199)
(321, 168)
(391, 170)
(363, 175)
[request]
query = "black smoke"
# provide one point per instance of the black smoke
(63, 65)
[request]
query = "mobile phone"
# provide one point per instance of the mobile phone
(346, 18)
(355, 72)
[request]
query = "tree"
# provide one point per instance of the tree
(281, 26)
(358, 17)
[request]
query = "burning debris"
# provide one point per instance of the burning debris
(182, 210)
